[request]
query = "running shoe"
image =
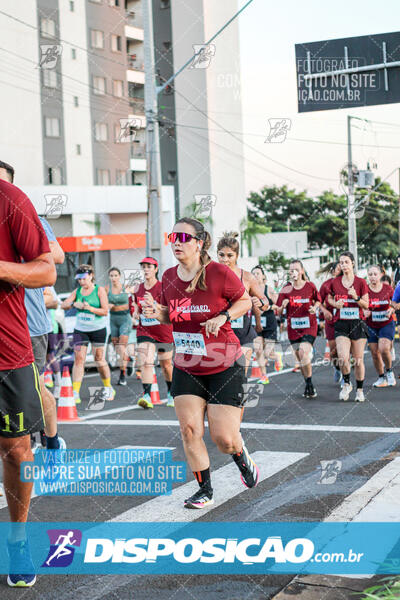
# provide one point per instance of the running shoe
(122, 379)
(360, 396)
(381, 382)
(109, 393)
(201, 499)
(170, 401)
(264, 380)
(296, 369)
(390, 378)
(22, 570)
(337, 376)
(249, 472)
(278, 361)
(145, 401)
(129, 368)
(138, 375)
(345, 391)
(310, 391)
(77, 397)
(48, 379)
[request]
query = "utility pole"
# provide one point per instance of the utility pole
(351, 217)
(155, 227)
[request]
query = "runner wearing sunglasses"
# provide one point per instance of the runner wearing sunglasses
(152, 336)
(200, 297)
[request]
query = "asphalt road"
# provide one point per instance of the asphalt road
(357, 436)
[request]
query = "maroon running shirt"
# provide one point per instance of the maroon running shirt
(22, 237)
(194, 352)
(151, 327)
(379, 303)
(351, 308)
(300, 320)
(324, 292)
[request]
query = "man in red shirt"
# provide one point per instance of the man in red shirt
(25, 261)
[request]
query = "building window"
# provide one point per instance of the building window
(47, 27)
(96, 1)
(73, 53)
(167, 45)
(54, 175)
(52, 127)
(97, 38)
(78, 149)
(116, 43)
(71, 5)
(171, 175)
(164, 4)
(103, 176)
(101, 132)
(118, 88)
(99, 86)
(76, 101)
(50, 79)
(121, 178)
(114, 2)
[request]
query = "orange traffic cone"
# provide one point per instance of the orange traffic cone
(66, 404)
(48, 379)
(255, 369)
(154, 391)
(327, 354)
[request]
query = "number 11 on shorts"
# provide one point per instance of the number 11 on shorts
(7, 428)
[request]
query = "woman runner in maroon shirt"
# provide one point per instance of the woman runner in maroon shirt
(301, 300)
(200, 297)
(381, 326)
(333, 270)
(152, 336)
(348, 295)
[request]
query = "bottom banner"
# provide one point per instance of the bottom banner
(208, 548)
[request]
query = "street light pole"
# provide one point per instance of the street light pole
(351, 217)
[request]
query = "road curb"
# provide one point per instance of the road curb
(326, 587)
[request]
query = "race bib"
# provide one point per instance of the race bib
(190, 343)
(146, 322)
(379, 315)
(85, 318)
(349, 313)
(237, 323)
(300, 322)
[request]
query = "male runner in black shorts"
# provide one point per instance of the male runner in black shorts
(22, 238)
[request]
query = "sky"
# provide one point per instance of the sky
(315, 149)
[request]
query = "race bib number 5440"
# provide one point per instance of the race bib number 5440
(190, 343)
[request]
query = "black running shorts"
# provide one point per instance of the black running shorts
(21, 410)
(160, 346)
(354, 329)
(225, 388)
(304, 338)
(96, 338)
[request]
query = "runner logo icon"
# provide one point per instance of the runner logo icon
(62, 547)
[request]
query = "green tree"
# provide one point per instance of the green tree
(249, 230)
(275, 261)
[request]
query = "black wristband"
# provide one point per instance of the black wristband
(225, 313)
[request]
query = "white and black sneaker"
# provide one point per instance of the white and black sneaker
(249, 472)
(201, 499)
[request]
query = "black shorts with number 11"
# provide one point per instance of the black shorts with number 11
(21, 411)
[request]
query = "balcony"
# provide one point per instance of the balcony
(137, 106)
(134, 33)
(138, 150)
(134, 76)
(135, 62)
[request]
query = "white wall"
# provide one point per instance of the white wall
(77, 121)
(225, 106)
(21, 122)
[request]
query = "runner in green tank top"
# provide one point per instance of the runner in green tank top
(120, 319)
(91, 327)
